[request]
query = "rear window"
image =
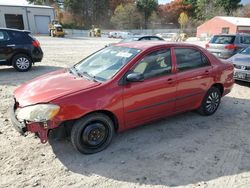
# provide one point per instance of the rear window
(20, 37)
(245, 39)
(220, 39)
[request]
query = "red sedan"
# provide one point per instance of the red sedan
(121, 87)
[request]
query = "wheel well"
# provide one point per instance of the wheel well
(18, 53)
(220, 87)
(109, 114)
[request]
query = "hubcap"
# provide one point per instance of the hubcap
(94, 134)
(22, 63)
(212, 102)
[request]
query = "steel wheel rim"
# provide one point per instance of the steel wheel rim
(22, 63)
(212, 102)
(95, 134)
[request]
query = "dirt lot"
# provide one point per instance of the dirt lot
(186, 150)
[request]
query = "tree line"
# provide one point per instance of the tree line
(141, 14)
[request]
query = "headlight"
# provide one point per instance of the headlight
(37, 113)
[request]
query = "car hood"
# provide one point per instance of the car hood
(51, 86)
(240, 59)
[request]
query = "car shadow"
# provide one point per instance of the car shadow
(9, 76)
(242, 83)
(180, 150)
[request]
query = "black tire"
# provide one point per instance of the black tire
(210, 102)
(22, 62)
(52, 33)
(92, 133)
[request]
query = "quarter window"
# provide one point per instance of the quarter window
(4, 36)
(155, 64)
(187, 58)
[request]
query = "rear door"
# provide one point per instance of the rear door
(5, 46)
(194, 77)
(155, 96)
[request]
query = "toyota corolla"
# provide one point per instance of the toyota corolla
(121, 87)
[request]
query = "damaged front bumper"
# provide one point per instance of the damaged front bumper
(41, 128)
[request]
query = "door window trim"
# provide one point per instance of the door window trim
(150, 52)
(194, 68)
(7, 34)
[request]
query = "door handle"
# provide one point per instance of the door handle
(170, 80)
(11, 45)
(207, 72)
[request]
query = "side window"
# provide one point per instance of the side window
(155, 64)
(4, 36)
(144, 38)
(154, 38)
(187, 58)
(245, 39)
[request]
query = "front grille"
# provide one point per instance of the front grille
(59, 29)
(242, 67)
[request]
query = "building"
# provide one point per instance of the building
(224, 24)
(28, 17)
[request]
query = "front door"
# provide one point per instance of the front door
(155, 96)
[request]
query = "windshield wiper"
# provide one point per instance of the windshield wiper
(74, 71)
(91, 77)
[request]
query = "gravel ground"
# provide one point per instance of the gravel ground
(186, 150)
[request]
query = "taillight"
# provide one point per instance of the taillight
(207, 45)
(231, 47)
(35, 43)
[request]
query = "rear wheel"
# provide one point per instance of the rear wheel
(92, 133)
(22, 62)
(210, 102)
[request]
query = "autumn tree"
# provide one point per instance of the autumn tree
(146, 7)
(183, 20)
(244, 11)
(229, 5)
(113, 4)
(88, 13)
(170, 12)
(126, 17)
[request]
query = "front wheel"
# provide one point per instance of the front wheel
(210, 102)
(92, 133)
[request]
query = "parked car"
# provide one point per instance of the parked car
(19, 49)
(119, 34)
(241, 62)
(121, 87)
(224, 46)
(167, 36)
(142, 38)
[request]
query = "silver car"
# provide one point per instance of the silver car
(224, 46)
(241, 63)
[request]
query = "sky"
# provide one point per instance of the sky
(23, 2)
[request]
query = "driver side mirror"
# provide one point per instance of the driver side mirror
(135, 77)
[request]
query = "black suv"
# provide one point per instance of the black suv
(19, 49)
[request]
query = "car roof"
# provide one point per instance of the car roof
(17, 30)
(144, 45)
(247, 34)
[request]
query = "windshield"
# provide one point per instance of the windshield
(104, 64)
(220, 39)
(246, 51)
